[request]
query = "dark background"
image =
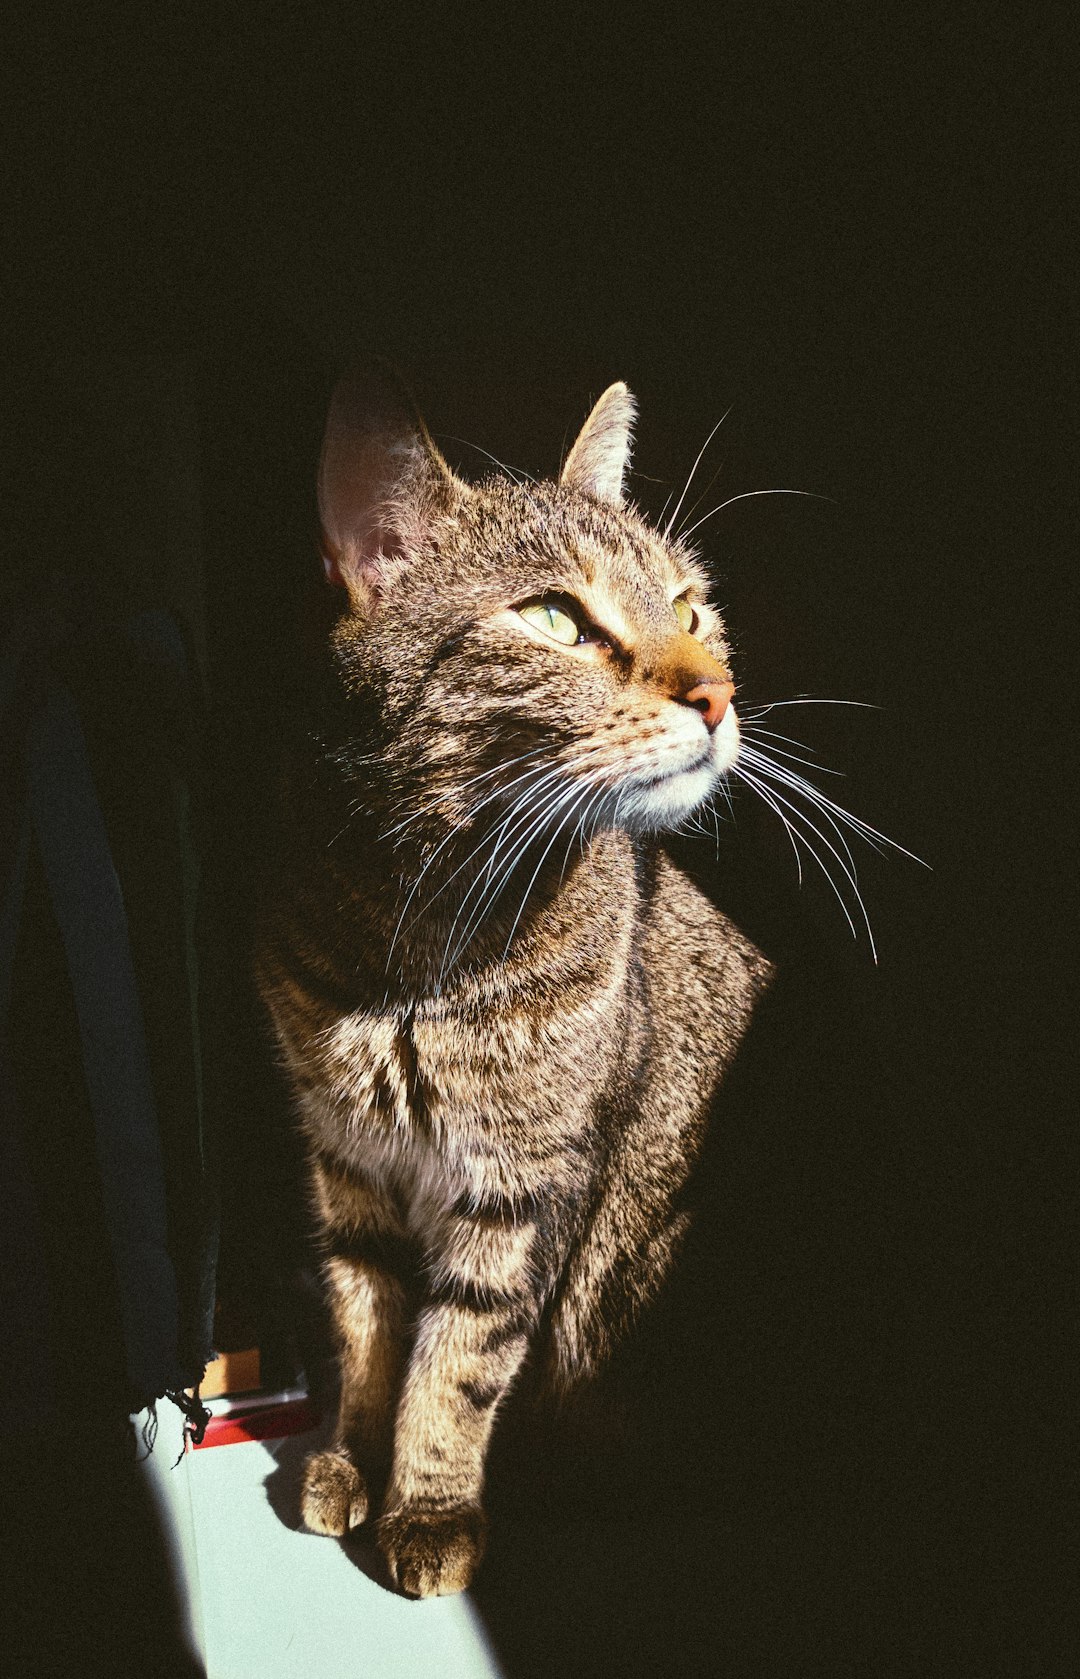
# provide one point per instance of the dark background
(842, 226)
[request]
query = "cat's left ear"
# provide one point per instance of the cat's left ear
(381, 479)
(598, 461)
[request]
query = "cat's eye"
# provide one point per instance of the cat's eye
(550, 618)
(685, 613)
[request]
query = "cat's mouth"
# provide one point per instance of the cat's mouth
(665, 795)
(703, 764)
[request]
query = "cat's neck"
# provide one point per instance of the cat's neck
(442, 906)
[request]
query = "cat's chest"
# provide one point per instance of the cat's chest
(410, 1079)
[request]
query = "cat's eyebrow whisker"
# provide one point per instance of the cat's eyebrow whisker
(693, 469)
(516, 473)
(699, 499)
(746, 495)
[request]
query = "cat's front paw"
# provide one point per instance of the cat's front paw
(335, 1497)
(432, 1553)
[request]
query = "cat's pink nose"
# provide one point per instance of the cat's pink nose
(711, 699)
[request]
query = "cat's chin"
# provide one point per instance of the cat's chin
(667, 801)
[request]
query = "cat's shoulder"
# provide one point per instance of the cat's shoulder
(689, 941)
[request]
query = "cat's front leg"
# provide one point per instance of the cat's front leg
(472, 1336)
(367, 1261)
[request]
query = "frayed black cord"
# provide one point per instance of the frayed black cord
(150, 1428)
(196, 1416)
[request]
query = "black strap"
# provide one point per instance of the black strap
(89, 909)
(50, 798)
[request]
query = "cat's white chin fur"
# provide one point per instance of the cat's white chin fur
(660, 804)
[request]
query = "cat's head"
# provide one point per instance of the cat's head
(518, 641)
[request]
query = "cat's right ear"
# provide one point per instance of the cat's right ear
(380, 479)
(598, 461)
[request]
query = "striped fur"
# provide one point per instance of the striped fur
(503, 1043)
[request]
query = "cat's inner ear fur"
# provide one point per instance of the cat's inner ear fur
(381, 479)
(599, 459)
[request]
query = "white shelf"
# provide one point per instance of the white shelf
(265, 1599)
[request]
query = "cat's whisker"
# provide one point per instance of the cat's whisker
(452, 792)
(532, 826)
(578, 832)
(542, 771)
(795, 784)
(799, 783)
(583, 833)
(459, 786)
(752, 734)
(555, 804)
(773, 806)
(721, 791)
(457, 827)
(520, 815)
(746, 495)
(795, 834)
(716, 823)
(580, 793)
(599, 814)
(342, 830)
(755, 712)
(693, 469)
(545, 775)
(523, 816)
(354, 810)
(800, 816)
(747, 721)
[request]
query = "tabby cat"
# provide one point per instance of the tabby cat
(502, 1008)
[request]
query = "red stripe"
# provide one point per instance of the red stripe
(267, 1422)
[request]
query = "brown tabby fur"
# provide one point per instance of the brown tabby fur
(499, 1125)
